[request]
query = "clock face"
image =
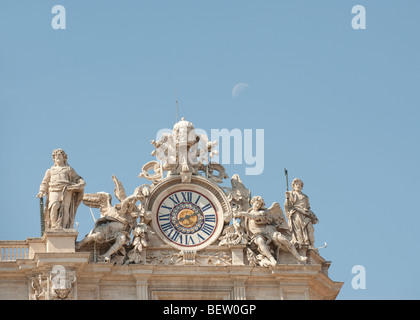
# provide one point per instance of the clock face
(187, 219)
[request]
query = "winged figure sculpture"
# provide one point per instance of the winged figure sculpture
(116, 221)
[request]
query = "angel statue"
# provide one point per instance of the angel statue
(116, 222)
(238, 196)
(266, 226)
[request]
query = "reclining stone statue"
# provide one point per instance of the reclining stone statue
(267, 226)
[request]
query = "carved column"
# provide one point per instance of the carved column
(239, 276)
(142, 290)
(142, 283)
(239, 292)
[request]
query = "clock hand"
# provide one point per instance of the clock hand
(184, 218)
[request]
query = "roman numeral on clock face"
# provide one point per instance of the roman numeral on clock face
(210, 218)
(166, 207)
(164, 217)
(174, 198)
(206, 207)
(186, 239)
(166, 226)
(207, 229)
(186, 196)
(174, 235)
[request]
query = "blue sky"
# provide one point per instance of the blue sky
(339, 108)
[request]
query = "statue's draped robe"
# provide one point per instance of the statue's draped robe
(55, 184)
(300, 217)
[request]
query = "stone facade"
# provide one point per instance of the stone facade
(181, 236)
(226, 275)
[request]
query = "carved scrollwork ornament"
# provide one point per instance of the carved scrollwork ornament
(157, 174)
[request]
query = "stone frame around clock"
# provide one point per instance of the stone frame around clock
(198, 184)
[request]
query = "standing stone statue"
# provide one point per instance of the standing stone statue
(64, 191)
(300, 216)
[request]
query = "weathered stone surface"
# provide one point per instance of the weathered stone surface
(183, 236)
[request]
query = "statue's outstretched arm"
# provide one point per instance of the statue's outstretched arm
(43, 188)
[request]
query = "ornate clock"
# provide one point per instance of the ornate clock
(188, 216)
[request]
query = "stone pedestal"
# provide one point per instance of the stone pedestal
(238, 254)
(35, 245)
(61, 240)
